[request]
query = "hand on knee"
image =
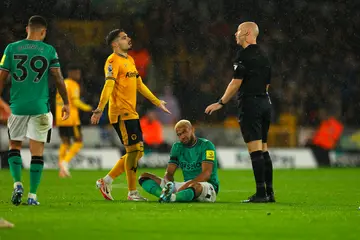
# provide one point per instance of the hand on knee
(143, 177)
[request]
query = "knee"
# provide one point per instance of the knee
(197, 188)
(143, 177)
(138, 147)
(140, 154)
(16, 145)
(65, 140)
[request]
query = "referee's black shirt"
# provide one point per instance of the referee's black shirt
(253, 67)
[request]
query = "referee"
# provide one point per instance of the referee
(251, 80)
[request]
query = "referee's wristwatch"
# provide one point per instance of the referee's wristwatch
(221, 102)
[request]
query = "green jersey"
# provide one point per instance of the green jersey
(28, 62)
(190, 159)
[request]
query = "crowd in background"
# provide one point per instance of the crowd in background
(186, 49)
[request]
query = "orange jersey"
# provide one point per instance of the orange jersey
(73, 91)
(122, 102)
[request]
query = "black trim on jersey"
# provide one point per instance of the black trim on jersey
(120, 55)
(54, 67)
(5, 69)
(110, 78)
(54, 61)
(211, 161)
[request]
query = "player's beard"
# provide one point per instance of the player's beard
(191, 141)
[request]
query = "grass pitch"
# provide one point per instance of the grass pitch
(312, 204)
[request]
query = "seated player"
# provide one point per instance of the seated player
(70, 128)
(197, 159)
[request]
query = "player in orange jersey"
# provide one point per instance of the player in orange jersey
(70, 128)
(122, 82)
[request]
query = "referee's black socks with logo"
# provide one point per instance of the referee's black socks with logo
(258, 165)
(268, 173)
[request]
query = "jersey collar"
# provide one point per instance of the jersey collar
(120, 55)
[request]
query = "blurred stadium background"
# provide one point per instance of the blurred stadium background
(184, 51)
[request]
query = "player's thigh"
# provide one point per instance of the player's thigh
(65, 134)
(208, 193)
(266, 119)
(129, 131)
(17, 127)
(36, 147)
(77, 133)
(39, 127)
(250, 125)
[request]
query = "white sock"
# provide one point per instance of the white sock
(17, 183)
(32, 195)
(108, 179)
(173, 197)
(65, 165)
(132, 192)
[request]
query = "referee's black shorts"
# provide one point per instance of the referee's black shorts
(254, 118)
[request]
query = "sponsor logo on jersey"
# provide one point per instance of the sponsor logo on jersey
(131, 74)
(210, 155)
(190, 166)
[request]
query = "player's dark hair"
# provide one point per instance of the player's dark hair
(113, 35)
(73, 66)
(37, 21)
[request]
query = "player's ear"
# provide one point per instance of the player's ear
(27, 29)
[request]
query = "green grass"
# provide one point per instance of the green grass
(312, 204)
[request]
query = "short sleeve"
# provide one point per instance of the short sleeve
(111, 70)
(174, 155)
(54, 59)
(209, 154)
(5, 63)
(239, 70)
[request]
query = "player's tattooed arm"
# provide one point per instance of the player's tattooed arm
(60, 85)
(205, 174)
(170, 171)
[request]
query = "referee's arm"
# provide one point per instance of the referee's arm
(231, 90)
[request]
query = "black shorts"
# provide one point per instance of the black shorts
(129, 131)
(71, 132)
(254, 118)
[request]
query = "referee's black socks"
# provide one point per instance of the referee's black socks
(268, 173)
(258, 165)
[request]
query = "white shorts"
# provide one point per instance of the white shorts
(208, 193)
(35, 127)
